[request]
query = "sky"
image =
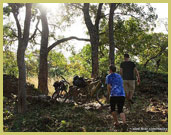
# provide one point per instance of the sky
(162, 11)
(78, 29)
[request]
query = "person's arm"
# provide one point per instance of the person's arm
(137, 75)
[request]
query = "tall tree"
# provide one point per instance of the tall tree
(43, 65)
(111, 34)
(23, 38)
(93, 30)
(45, 49)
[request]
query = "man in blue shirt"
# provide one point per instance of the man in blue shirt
(117, 94)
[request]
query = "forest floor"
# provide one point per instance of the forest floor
(149, 113)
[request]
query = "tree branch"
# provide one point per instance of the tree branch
(116, 6)
(121, 14)
(35, 30)
(15, 14)
(102, 33)
(27, 22)
(92, 29)
(76, 5)
(126, 14)
(64, 40)
(98, 15)
(12, 30)
(157, 55)
(87, 18)
(79, 6)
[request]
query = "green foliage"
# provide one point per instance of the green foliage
(153, 83)
(155, 48)
(57, 64)
(145, 13)
(80, 64)
(9, 36)
(54, 118)
(7, 10)
(10, 63)
(31, 59)
(130, 37)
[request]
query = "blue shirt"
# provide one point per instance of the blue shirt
(116, 82)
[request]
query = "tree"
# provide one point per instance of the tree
(113, 7)
(122, 11)
(134, 11)
(43, 65)
(45, 49)
(93, 30)
(23, 39)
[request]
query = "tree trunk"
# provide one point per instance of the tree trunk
(22, 45)
(43, 65)
(94, 36)
(22, 77)
(111, 35)
(94, 39)
(43, 74)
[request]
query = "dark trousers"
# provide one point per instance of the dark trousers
(119, 101)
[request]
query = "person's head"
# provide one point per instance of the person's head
(112, 69)
(126, 57)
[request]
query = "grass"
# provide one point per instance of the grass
(56, 118)
(34, 81)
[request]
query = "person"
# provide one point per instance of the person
(117, 94)
(127, 69)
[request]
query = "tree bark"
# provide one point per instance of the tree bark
(65, 40)
(43, 65)
(94, 36)
(22, 77)
(111, 35)
(22, 45)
